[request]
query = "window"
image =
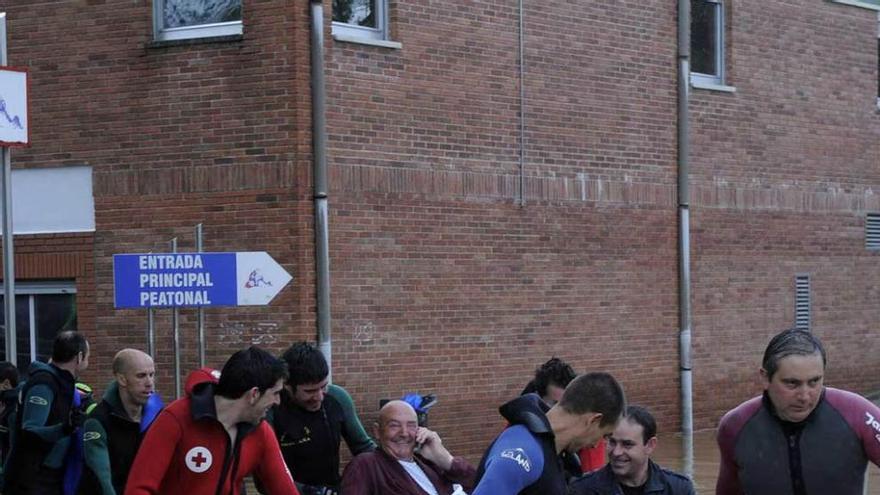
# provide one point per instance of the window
(707, 42)
(802, 302)
(41, 311)
(184, 19)
(361, 19)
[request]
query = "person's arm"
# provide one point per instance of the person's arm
(862, 416)
(357, 477)
(36, 406)
(97, 457)
(272, 472)
(154, 456)
(728, 474)
(352, 430)
(454, 469)
(514, 462)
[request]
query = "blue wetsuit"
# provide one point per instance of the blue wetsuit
(523, 459)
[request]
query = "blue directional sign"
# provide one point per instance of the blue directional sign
(167, 280)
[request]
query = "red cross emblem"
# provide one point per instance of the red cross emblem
(198, 459)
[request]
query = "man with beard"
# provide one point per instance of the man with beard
(114, 430)
(312, 419)
(398, 468)
(630, 470)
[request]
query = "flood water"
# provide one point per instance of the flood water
(707, 458)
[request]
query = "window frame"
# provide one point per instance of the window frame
(351, 32)
(161, 33)
(31, 289)
(699, 79)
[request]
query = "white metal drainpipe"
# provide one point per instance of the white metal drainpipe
(684, 242)
(319, 145)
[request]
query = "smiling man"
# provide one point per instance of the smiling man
(799, 437)
(312, 419)
(630, 470)
(397, 469)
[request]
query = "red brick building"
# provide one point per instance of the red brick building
(502, 186)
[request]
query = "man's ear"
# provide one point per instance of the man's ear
(651, 445)
(376, 430)
(594, 420)
(253, 395)
(765, 377)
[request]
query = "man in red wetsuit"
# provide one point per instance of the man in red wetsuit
(209, 441)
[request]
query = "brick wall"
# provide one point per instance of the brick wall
(441, 281)
(437, 269)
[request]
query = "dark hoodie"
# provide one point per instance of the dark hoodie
(510, 462)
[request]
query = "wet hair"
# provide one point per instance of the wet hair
(305, 364)
(249, 368)
(8, 371)
(554, 372)
(596, 393)
(641, 416)
(791, 342)
(67, 345)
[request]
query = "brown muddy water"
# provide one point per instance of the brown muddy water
(706, 460)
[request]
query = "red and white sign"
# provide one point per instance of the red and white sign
(13, 106)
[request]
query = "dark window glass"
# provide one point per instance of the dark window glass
(53, 313)
(182, 13)
(357, 12)
(704, 42)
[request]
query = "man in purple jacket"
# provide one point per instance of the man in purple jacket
(800, 437)
(411, 460)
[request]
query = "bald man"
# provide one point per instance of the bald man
(116, 427)
(411, 460)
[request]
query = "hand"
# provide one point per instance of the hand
(432, 449)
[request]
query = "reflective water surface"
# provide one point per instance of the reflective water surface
(706, 459)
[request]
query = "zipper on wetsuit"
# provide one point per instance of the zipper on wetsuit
(226, 458)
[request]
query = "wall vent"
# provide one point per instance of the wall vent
(802, 302)
(872, 231)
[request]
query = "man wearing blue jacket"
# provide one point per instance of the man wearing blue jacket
(525, 459)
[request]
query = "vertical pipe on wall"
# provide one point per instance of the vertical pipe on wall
(522, 107)
(684, 260)
(319, 146)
